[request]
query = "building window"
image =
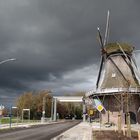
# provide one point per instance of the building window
(113, 75)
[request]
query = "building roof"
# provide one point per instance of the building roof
(114, 47)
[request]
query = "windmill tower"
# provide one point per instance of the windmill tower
(118, 71)
(118, 82)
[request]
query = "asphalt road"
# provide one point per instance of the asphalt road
(45, 132)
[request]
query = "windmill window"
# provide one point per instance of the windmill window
(113, 75)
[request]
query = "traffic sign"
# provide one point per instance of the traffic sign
(98, 105)
(100, 108)
(91, 112)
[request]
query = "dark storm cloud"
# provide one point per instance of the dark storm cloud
(55, 39)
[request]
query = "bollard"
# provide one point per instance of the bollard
(138, 134)
(124, 130)
(119, 123)
(115, 128)
(128, 125)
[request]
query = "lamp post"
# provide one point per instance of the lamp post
(10, 115)
(7, 60)
(1, 62)
(55, 109)
(52, 109)
(43, 109)
(84, 110)
(1, 111)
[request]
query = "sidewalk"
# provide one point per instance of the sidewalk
(23, 125)
(82, 131)
(17, 125)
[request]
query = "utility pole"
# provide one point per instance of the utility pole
(52, 106)
(10, 115)
(44, 106)
(120, 115)
(128, 123)
(119, 123)
(128, 116)
(55, 109)
(84, 110)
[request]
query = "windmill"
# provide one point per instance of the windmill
(116, 61)
(118, 81)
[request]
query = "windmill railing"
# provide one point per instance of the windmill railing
(109, 91)
(118, 90)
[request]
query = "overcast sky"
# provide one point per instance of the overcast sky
(55, 42)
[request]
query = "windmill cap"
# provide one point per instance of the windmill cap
(115, 48)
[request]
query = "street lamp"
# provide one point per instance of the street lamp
(44, 107)
(7, 60)
(1, 62)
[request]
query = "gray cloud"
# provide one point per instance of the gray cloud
(55, 42)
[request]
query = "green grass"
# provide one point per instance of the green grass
(6, 120)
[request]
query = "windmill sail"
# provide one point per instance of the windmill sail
(102, 56)
(102, 47)
(107, 28)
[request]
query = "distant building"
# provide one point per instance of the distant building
(1, 109)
